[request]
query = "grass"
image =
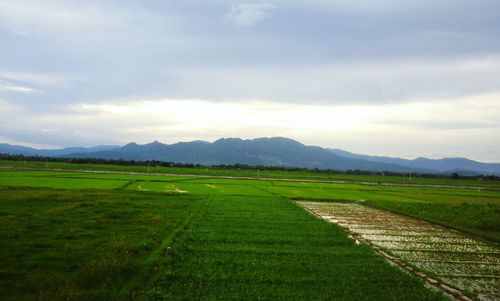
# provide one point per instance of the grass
(65, 183)
(80, 245)
(69, 235)
(263, 173)
(267, 248)
(481, 220)
(472, 210)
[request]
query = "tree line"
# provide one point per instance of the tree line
(122, 162)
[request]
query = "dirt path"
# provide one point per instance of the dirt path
(447, 259)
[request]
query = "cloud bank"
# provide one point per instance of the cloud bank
(60, 58)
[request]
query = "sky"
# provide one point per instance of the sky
(382, 77)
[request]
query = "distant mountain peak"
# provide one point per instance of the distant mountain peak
(279, 139)
(227, 140)
(155, 143)
(267, 151)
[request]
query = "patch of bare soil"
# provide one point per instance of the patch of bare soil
(452, 261)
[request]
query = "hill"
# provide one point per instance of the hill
(276, 151)
(462, 166)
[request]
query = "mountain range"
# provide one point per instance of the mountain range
(276, 151)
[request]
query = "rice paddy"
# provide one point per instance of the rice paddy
(449, 257)
(73, 235)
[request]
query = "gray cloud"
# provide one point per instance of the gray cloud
(246, 15)
(107, 49)
(383, 81)
(56, 54)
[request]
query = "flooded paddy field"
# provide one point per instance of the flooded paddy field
(461, 265)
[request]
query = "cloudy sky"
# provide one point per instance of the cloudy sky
(383, 77)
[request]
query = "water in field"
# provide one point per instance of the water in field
(444, 257)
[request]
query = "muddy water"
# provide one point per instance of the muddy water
(450, 260)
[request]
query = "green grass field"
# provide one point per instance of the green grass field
(263, 173)
(80, 244)
(69, 235)
(267, 248)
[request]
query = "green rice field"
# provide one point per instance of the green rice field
(119, 233)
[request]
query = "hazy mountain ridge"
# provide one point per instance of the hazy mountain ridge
(29, 151)
(444, 165)
(276, 151)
